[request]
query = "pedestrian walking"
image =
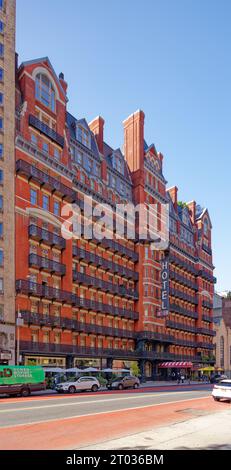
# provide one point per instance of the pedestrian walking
(182, 378)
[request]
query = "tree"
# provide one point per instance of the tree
(229, 295)
(135, 369)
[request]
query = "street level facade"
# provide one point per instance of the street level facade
(98, 302)
(222, 326)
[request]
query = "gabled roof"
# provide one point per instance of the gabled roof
(200, 213)
(41, 60)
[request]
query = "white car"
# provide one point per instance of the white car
(80, 384)
(222, 390)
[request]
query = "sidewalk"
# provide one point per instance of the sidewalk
(199, 433)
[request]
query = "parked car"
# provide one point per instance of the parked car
(81, 384)
(222, 390)
(128, 381)
(21, 380)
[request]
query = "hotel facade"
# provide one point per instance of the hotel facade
(99, 302)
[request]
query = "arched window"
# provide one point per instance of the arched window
(44, 91)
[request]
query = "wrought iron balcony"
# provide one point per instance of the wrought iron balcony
(154, 336)
(42, 235)
(180, 326)
(205, 345)
(36, 347)
(208, 276)
(46, 130)
(106, 286)
(167, 356)
(32, 288)
(119, 248)
(45, 180)
(207, 304)
(207, 318)
(184, 264)
(183, 280)
(183, 296)
(28, 287)
(47, 264)
(74, 325)
(183, 311)
(99, 261)
(206, 331)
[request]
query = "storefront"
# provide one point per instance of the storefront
(45, 361)
(170, 370)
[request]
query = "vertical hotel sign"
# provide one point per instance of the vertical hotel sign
(165, 286)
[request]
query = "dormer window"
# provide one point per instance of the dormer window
(83, 136)
(44, 91)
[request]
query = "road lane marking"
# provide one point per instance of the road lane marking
(25, 408)
(99, 413)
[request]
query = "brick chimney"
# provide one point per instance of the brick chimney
(134, 140)
(173, 194)
(192, 209)
(63, 82)
(96, 127)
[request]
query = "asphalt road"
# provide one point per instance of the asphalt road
(41, 409)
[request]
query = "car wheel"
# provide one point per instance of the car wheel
(71, 389)
(25, 392)
(94, 388)
(216, 398)
(120, 387)
(135, 386)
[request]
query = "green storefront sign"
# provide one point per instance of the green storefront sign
(11, 375)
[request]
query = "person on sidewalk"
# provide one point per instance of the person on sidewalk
(182, 378)
(178, 378)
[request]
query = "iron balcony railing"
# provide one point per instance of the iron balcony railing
(47, 237)
(185, 264)
(32, 288)
(72, 324)
(37, 347)
(205, 345)
(180, 326)
(47, 264)
(118, 248)
(45, 180)
(183, 311)
(183, 280)
(206, 331)
(106, 286)
(207, 318)
(99, 261)
(46, 130)
(208, 276)
(167, 356)
(154, 336)
(183, 296)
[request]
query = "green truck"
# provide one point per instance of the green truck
(21, 380)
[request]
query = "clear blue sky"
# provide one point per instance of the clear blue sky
(171, 58)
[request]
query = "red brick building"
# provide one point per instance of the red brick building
(91, 302)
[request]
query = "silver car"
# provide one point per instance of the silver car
(81, 384)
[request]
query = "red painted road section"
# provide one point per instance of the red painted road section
(73, 433)
(165, 388)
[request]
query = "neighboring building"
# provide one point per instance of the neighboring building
(7, 176)
(222, 327)
(86, 302)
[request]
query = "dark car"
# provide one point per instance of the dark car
(120, 383)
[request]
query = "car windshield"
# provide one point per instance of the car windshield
(225, 384)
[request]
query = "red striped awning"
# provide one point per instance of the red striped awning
(177, 365)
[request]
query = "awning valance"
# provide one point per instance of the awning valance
(176, 365)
